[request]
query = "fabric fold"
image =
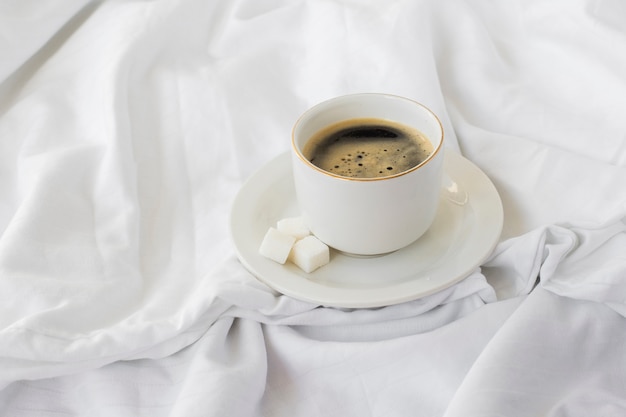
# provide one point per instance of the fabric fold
(585, 261)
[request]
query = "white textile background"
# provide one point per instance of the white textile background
(127, 128)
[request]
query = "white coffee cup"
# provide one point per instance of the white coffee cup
(368, 216)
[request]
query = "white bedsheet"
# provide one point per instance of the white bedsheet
(127, 128)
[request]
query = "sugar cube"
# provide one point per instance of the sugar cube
(276, 245)
(310, 253)
(294, 226)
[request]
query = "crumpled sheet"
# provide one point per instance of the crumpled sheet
(127, 128)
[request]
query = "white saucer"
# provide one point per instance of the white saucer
(460, 239)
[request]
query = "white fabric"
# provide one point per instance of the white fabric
(127, 128)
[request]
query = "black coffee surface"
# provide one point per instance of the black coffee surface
(367, 148)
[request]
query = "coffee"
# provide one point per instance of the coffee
(367, 148)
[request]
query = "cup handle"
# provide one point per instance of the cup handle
(453, 192)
